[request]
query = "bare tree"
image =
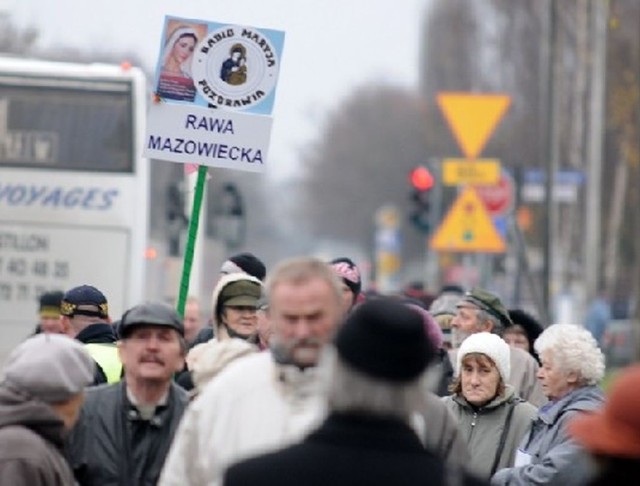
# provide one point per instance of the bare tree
(360, 162)
(14, 40)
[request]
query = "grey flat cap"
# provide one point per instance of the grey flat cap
(150, 314)
(50, 367)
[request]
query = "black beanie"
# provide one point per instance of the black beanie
(249, 263)
(385, 339)
(349, 273)
(529, 324)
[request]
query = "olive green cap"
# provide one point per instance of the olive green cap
(489, 302)
(241, 293)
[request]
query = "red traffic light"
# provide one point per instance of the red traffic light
(421, 178)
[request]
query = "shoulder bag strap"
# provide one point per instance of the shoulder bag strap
(503, 436)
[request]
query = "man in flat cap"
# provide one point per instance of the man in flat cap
(480, 310)
(372, 374)
(40, 399)
(85, 317)
(125, 429)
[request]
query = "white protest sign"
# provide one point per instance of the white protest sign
(217, 138)
(214, 91)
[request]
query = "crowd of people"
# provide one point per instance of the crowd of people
(295, 376)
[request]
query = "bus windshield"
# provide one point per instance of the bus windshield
(66, 125)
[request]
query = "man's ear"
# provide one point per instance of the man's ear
(119, 346)
(486, 326)
(65, 322)
(180, 365)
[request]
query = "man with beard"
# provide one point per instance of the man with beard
(373, 375)
(269, 400)
(480, 310)
(264, 400)
(125, 429)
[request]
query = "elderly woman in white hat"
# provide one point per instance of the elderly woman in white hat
(491, 416)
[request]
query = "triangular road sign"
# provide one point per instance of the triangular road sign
(467, 228)
(472, 118)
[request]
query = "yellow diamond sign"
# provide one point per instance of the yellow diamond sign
(467, 228)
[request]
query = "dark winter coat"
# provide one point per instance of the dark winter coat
(347, 449)
(112, 445)
(31, 443)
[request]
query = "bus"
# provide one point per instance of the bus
(73, 186)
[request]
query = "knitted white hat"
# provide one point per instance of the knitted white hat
(490, 345)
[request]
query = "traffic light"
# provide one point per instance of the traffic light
(421, 182)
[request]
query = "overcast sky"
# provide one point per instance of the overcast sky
(331, 47)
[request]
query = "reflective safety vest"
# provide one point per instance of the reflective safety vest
(106, 355)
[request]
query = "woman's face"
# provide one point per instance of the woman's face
(183, 48)
(555, 382)
(241, 319)
(480, 379)
(517, 339)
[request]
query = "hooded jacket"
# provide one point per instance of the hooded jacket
(483, 427)
(31, 442)
(208, 359)
(547, 446)
(205, 360)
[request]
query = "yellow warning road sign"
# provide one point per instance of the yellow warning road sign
(467, 228)
(472, 117)
(463, 171)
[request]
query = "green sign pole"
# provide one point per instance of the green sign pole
(191, 240)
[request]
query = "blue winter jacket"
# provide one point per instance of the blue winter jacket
(548, 444)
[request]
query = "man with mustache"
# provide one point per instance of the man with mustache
(480, 310)
(125, 429)
(265, 400)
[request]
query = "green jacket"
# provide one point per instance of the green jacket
(483, 428)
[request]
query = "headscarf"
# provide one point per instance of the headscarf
(171, 41)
